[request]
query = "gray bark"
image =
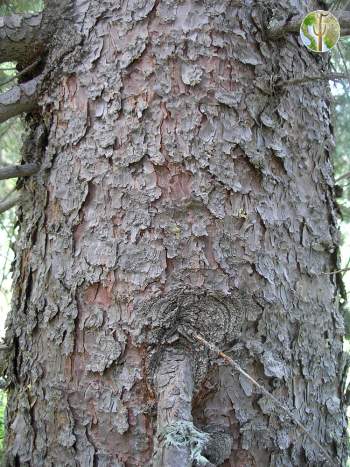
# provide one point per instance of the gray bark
(22, 37)
(177, 190)
(13, 171)
(20, 98)
(9, 202)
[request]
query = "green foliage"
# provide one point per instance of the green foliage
(8, 7)
(309, 21)
(328, 42)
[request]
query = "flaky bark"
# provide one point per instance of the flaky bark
(22, 37)
(176, 191)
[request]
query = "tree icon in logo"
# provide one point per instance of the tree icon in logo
(320, 31)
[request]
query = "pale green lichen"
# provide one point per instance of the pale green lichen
(181, 434)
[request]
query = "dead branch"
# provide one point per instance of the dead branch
(8, 203)
(342, 177)
(280, 31)
(336, 272)
(308, 79)
(14, 171)
(21, 73)
(19, 99)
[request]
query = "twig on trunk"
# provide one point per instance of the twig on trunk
(308, 79)
(188, 335)
(336, 272)
(22, 72)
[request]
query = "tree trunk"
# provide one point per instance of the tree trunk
(179, 190)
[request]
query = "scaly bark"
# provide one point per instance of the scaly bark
(20, 98)
(174, 191)
(22, 38)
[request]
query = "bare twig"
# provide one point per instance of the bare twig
(343, 62)
(6, 128)
(22, 72)
(336, 272)
(187, 334)
(10, 202)
(308, 79)
(338, 5)
(342, 177)
(346, 266)
(14, 171)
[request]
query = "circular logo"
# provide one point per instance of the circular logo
(320, 31)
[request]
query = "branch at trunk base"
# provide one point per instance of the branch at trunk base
(14, 171)
(19, 99)
(179, 441)
(174, 387)
(279, 31)
(22, 37)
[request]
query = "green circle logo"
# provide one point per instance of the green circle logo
(320, 31)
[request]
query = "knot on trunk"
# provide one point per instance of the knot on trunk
(216, 316)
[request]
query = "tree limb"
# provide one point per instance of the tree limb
(20, 98)
(275, 32)
(13, 171)
(10, 201)
(22, 37)
(342, 177)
